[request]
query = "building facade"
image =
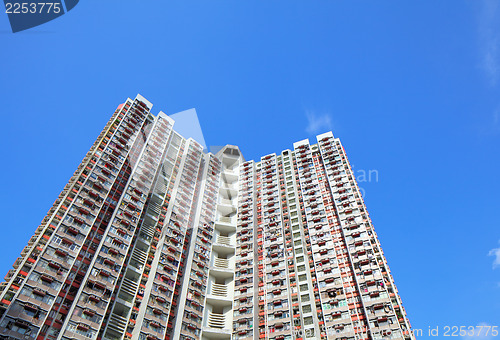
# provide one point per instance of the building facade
(153, 238)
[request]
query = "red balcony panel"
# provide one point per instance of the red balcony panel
(61, 253)
(83, 327)
(39, 292)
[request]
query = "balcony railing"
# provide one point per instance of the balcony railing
(216, 320)
(221, 263)
(219, 290)
(224, 240)
(117, 323)
(226, 219)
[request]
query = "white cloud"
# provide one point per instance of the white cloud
(489, 39)
(495, 252)
(480, 333)
(318, 123)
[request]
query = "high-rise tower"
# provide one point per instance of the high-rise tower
(154, 239)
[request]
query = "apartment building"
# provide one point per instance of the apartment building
(153, 238)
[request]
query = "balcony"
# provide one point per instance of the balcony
(212, 332)
(222, 268)
(139, 256)
(218, 289)
(224, 241)
(216, 320)
(117, 323)
(226, 219)
(226, 207)
(129, 286)
(225, 201)
(221, 263)
(230, 175)
(228, 191)
(226, 224)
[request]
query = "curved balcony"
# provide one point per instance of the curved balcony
(226, 207)
(218, 290)
(216, 320)
(226, 223)
(228, 191)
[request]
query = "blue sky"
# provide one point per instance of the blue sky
(411, 88)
